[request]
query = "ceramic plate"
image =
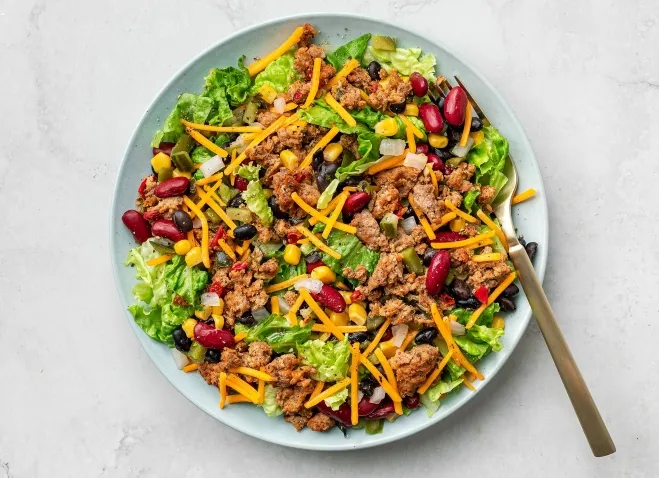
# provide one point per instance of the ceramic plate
(530, 220)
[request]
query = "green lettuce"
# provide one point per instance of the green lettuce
(453, 371)
(327, 195)
(230, 84)
(404, 60)
(485, 318)
(469, 199)
(195, 108)
(353, 49)
(277, 332)
(338, 399)
(489, 157)
(353, 253)
(249, 172)
(374, 427)
(270, 406)
(487, 335)
(431, 399)
(287, 271)
(321, 114)
(279, 74)
(474, 351)
(330, 359)
(257, 203)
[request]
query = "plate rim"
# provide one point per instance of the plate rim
(375, 440)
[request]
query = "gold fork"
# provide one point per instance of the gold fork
(593, 426)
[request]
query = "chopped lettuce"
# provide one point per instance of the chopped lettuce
(453, 371)
(353, 49)
(488, 335)
(321, 114)
(330, 359)
(489, 157)
(327, 195)
(485, 318)
(338, 399)
(405, 60)
(431, 399)
(249, 172)
(474, 351)
(277, 332)
(287, 271)
(353, 253)
(269, 249)
(279, 74)
(257, 203)
(469, 199)
(374, 427)
(230, 83)
(195, 108)
(270, 406)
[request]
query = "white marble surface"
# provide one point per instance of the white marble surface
(79, 398)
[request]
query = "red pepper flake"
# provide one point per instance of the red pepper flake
(218, 235)
(446, 301)
(180, 301)
(217, 288)
(239, 266)
(356, 296)
(299, 177)
(481, 294)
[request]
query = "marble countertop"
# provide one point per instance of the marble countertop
(78, 396)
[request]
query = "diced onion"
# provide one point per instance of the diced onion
(212, 166)
(392, 147)
(180, 359)
(417, 161)
(312, 285)
(461, 151)
(260, 314)
(239, 144)
(408, 224)
(284, 308)
(399, 333)
(279, 105)
(196, 223)
(210, 298)
(360, 395)
(457, 328)
(378, 395)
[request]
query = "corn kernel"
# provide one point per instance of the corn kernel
(267, 193)
(387, 127)
(332, 152)
(193, 257)
(411, 110)
(289, 159)
(219, 321)
(437, 140)
(188, 327)
(203, 314)
(347, 296)
(268, 93)
(182, 247)
(218, 309)
(323, 274)
(357, 314)
(339, 319)
(498, 323)
(341, 285)
(160, 161)
(181, 174)
(477, 136)
(457, 224)
(388, 348)
(292, 254)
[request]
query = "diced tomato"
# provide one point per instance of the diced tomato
(481, 294)
(356, 296)
(292, 237)
(217, 288)
(218, 235)
(239, 266)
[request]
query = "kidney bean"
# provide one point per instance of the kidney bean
(455, 106)
(506, 304)
(212, 338)
(422, 148)
(431, 117)
(531, 249)
(241, 183)
(164, 148)
(182, 220)
(342, 415)
(460, 289)
(330, 298)
(365, 407)
(172, 187)
(436, 161)
(167, 228)
(356, 202)
(312, 265)
(510, 291)
(419, 84)
(448, 236)
(437, 272)
(386, 408)
(137, 225)
(412, 402)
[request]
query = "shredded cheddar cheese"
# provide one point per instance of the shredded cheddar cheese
(239, 337)
(433, 180)
(206, 195)
(207, 143)
(317, 389)
(377, 338)
(331, 327)
(227, 249)
(484, 243)
(431, 378)
(467, 126)
(221, 129)
(422, 219)
(491, 298)
(490, 257)
(463, 243)
(190, 367)
(341, 111)
(345, 71)
(444, 220)
(409, 125)
(237, 398)
(242, 387)
(327, 393)
(380, 379)
(223, 389)
(387, 164)
(330, 207)
(260, 64)
(493, 225)
(318, 243)
(391, 378)
(343, 328)
(463, 215)
(354, 384)
(252, 373)
(315, 82)
(159, 260)
(335, 215)
(285, 284)
(408, 339)
(518, 198)
(468, 384)
(324, 141)
(267, 132)
(274, 305)
(204, 231)
(209, 179)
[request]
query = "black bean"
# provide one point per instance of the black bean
(444, 153)
(428, 255)
(368, 385)
(460, 289)
(522, 241)
(506, 304)
(213, 355)
(326, 174)
(182, 220)
(244, 232)
(426, 336)
(210, 321)
(476, 124)
(397, 107)
(276, 210)
(236, 201)
(352, 181)
(454, 134)
(296, 220)
(470, 303)
(181, 341)
(246, 319)
(317, 160)
(374, 70)
(358, 337)
(510, 291)
(409, 212)
(313, 257)
(531, 249)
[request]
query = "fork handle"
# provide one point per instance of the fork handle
(591, 421)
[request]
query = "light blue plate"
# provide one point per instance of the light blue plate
(336, 29)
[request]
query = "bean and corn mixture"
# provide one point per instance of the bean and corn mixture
(316, 236)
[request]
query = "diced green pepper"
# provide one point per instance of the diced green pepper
(182, 161)
(374, 323)
(383, 43)
(412, 261)
(250, 112)
(227, 193)
(213, 216)
(197, 351)
(454, 162)
(165, 173)
(389, 224)
(239, 214)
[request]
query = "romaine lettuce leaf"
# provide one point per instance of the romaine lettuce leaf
(488, 335)
(257, 203)
(327, 195)
(353, 49)
(469, 199)
(249, 172)
(431, 399)
(353, 253)
(277, 332)
(270, 406)
(474, 351)
(485, 318)
(287, 271)
(195, 108)
(369, 151)
(330, 359)
(279, 74)
(405, 60)
(338, 399)
(489, 157)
